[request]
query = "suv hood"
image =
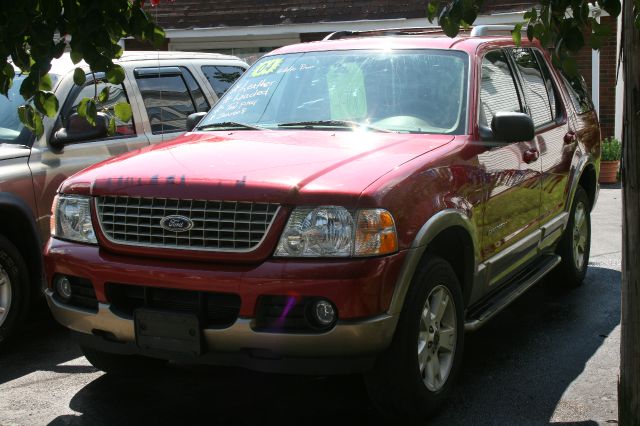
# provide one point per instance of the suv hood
(8, 151)
(272, 166)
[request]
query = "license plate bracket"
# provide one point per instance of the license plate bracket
(164, 331)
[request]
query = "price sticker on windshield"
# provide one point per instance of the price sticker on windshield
(267, 67)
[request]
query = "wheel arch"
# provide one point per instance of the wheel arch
(449, 234)
(586, 175)
(19, 227)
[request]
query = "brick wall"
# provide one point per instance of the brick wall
(607, 76)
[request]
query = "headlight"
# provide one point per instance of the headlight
(331, 231)
(71, 219)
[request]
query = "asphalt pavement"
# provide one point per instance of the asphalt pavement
(551, 357)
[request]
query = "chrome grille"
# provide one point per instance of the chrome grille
(217, 225)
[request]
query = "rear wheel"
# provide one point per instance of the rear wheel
(416, 373)
(574, 247)
(14, 289)
(121, 365)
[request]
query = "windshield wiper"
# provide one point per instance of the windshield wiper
(229, 125)
(334, 123)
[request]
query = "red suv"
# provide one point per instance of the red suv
(354, 204)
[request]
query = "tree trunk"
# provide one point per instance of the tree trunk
(629, 384)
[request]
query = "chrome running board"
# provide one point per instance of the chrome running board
(515, 288)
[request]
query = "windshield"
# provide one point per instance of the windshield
(417, 91)
(11, 129)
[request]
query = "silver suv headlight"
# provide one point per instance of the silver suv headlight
(71, 219)
(334, 231)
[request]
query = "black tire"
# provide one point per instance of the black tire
(14, 270)
(571, 271)
(396, 384)
(122, 365)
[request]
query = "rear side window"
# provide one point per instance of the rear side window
(497, 88)
(536, 91)
(554, 97)
(578, 92)
(221, 77)
(170, 95)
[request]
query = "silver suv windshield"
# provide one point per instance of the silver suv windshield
(412, 91)
(11, 129)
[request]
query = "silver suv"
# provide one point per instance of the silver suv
(163, 89)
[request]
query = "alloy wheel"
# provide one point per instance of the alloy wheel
(437, 338)
(580, 235)
(5, 295)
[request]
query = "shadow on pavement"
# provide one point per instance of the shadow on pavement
(516, 370)
(41, 345)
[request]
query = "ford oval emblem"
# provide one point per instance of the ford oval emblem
(176, 223)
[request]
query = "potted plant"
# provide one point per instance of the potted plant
(610, 161)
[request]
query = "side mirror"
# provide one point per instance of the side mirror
(77, 129)
(511, 127)
(194, 119)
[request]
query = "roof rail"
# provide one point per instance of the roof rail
(483, 30)
(385, 32)
(477, 31)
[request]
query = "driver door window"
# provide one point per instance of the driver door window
(116, 94)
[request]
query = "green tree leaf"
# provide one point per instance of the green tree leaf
(79, 77)
(122, 110)
(111, 130)
(26, 114)
(115, 74)
(573, 39)
(103, 96)
(31, 119)
(87, 109)
(76, 56)
(28, 87)
(45, 83)
(432, 10)
(46, 103)
(516, 34)
(570, 66)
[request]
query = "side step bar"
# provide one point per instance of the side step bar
(510, 292)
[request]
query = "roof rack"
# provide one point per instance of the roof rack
(483, 30)
(385, 32)
(477, 31)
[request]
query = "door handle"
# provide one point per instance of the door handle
(531, 155)
(570, 137)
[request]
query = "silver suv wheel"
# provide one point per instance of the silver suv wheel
(5, 294)
(437, 338)
(580, 234)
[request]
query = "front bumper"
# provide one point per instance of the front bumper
(348, 347)
(361, 290)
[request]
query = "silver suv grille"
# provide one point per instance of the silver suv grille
(216, 225)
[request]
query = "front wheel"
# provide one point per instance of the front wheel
(574, 247)
(14, 289)
(416, 373)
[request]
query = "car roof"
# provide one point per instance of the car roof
(419, 38)
(64, 64)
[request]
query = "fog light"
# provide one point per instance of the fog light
(63, 288)
(323, 312)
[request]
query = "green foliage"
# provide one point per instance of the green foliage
(122, 110)
(611, 149)
(79, 76)
(30, 36)
(559, 25)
